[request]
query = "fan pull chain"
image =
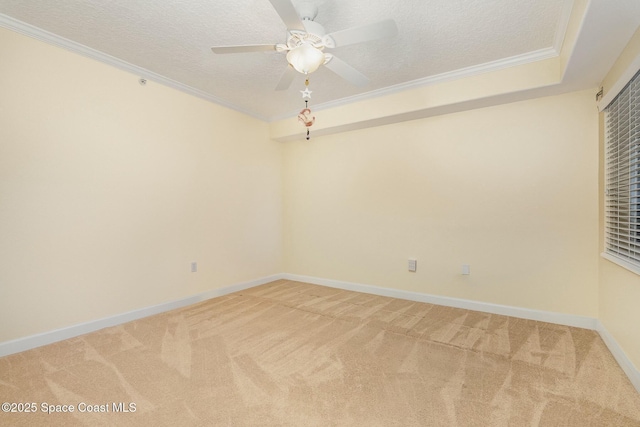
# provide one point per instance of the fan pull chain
(306, 107)
(305, 115)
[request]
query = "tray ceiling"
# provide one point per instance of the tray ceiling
(170, 41)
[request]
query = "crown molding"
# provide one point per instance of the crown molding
(55, 40)
(514, 61)
(563, 25)
(538, 55)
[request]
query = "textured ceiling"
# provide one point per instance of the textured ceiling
(172, 39)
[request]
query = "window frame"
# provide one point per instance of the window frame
(622, 177)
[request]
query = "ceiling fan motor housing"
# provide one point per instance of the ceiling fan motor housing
(314, 34)
(307, 11)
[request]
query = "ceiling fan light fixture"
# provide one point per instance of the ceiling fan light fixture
(305, 58)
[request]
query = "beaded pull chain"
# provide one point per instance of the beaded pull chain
(305, 115)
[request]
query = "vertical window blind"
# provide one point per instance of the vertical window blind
(622, 174)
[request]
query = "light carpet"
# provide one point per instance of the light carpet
(294, 354)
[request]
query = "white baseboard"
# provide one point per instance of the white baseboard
(621, 357)
(33, 341)
(523, 313)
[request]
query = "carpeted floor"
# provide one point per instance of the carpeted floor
(294, 354)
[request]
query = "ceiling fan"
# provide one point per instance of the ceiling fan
(307, 40)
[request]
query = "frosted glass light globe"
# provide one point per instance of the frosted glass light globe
(305, 58)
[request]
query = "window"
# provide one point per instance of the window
(622, 175)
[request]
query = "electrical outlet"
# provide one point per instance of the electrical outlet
(413, 265)
(466, 269)
(194, 266)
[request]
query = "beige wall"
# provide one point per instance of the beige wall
(108, 189)
(511, 190)
(620, 288)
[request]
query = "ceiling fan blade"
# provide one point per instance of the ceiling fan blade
(347, 72)
(379, 30)
(244, 48)
(288, 14)
(286, 79)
